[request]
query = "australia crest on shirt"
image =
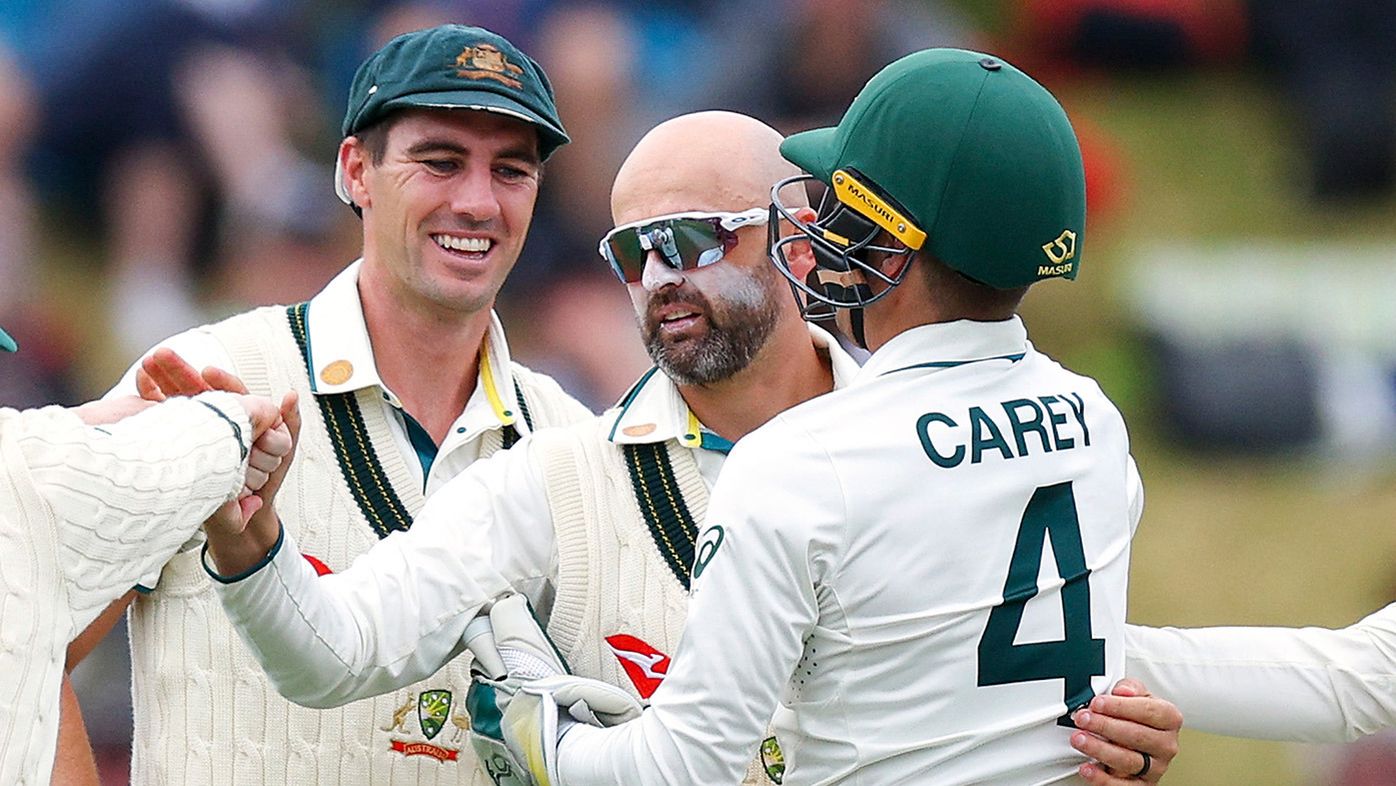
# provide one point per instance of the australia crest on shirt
(428, 724)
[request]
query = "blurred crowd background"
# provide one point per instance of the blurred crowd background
(164, 163)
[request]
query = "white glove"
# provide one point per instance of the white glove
(542, 711)
(512, 652)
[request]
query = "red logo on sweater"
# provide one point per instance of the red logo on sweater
(321, 568)
(645, 665)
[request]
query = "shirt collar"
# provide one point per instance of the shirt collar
(948, 344)
(341, 354)
(654, 410)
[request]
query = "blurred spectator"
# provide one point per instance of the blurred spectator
(807, 59)
(146, 105)
(1134, 33)
(1336, 61)
(39, 375)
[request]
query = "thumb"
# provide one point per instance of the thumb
(262, 412)
(291, 413)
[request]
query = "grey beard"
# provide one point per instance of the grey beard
(732, 341)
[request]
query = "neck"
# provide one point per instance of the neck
(787, 371)
(428, 356)
(944, 297)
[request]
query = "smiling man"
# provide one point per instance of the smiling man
(408, 370)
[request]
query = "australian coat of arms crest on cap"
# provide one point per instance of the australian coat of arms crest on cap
(487, 62)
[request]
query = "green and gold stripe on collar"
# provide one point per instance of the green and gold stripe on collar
(662, 506)
(358, 462)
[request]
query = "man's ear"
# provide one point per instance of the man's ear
(353, 164)
(798, 254)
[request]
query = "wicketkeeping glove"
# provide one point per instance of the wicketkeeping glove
(516, 663)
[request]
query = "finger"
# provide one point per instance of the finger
(1130, 687)
(1097, 775)
(146, 387)
(1159, 743)
(247, 506)
(1108, 754)
(174, 376)
(1147, 710)
(266, 461)
(291, 413)
(276, 441)
(262, 413)
(221, 379)
(255, 479)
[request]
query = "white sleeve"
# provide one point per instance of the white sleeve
(126, 495)
(1297, 684)
(200, 349)
(397, 614)
(1136, 495)
(754, 603)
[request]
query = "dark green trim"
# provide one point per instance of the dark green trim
(1014, 358)
(523, 406)
(511, 434)
(368, 482)
(663, 507)
(425, 447)
(237, 430)
(261, 563)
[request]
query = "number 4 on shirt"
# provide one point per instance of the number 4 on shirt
(1077, 657)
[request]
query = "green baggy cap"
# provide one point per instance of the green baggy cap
(979, 156)
(453, 67)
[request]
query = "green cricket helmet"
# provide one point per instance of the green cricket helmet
(949, 152)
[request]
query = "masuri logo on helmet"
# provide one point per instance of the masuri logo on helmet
(951, 152)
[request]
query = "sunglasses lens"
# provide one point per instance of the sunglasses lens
(697, 242)
(622, 250)
(683, 243)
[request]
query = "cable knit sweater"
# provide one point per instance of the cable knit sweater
(84, 513)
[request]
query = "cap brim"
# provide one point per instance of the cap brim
(479, 100)
(7, 344)
(813, 151)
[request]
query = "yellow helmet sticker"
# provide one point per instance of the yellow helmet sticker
(862, 199)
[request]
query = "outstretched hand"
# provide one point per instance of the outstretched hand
(1131, 734)
(164, 373)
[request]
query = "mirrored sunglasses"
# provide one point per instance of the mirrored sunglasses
(685, 241)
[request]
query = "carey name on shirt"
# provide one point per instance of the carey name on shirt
(1007, 430)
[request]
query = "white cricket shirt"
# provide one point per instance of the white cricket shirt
(853, 570)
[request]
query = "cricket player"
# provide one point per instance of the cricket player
(595, 523)
(85, 510)
(407, 378)
(923, 574)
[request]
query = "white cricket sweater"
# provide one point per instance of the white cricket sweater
(84, 513)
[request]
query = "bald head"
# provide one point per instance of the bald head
(705, 161)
